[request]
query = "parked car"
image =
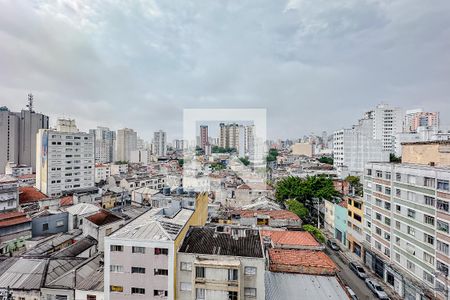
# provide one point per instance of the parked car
(376, 288)
(351, 293)
(332, 244)
(358, 270)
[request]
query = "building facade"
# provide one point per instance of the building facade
(126, 142)
(105, 144)
(159, 143)
(65, 161)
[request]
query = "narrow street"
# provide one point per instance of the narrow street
(351, 279)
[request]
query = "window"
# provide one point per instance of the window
(428, 277)
(378, 202)
(138, 270)
(233, 274)
(185, 266)
(250, 292)
(429, 182)
(185, 286)
(442, 226)
(387, 191)
(161, 272)
(91, 297)
(387, 205)
(199, 294)
(116, 268)
(442, 184)
(411, 179)
(398, 177)
(428, 258)
(116, 288)
(45, 227)
(379, 173)
(387, 175)
(442, 247)
(410, 266)
(397, 257)
(357, 217)
(397, 225)
(397, 241)
(163, 293)
(369, 172)
(377, 245)
(429, 200)
(199, 272)
(398, 208)
(378, 188)
(116, 248)
(428, 239)
(442, 268)
(60, 297)
(387, 252)
(387, 236)
(411, 213)
(232, 295)
(442, 205)
(140, 291)
(411, 231)
(378, 230)
(378, 216)
(135, 249)
(398, 192)
(161, 251)
(428, 219)
(250, 271)
(387, 221)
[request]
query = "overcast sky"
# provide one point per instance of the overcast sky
(314, 64)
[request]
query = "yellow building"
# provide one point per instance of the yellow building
(355, 224)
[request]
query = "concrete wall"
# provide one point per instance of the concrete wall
(52, 221)
(425, 153)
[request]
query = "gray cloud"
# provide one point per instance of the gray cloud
(314, 64)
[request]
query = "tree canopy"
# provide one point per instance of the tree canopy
(297, 208)
(272, 155)
(244, 160)
(217, 149)
(305, 189)
(326, 160)
(355, 184)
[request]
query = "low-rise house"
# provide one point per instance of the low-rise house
(300, 240)
(301, 261)
(76, 213)
(221, 262)
(266, 218)
(100, 224)
(85, 246)
(16, 170)
(109, 200)
(119, 169)
(102, 172)
(246, 193)
(47, 222)
(156, 182)
(15, 228)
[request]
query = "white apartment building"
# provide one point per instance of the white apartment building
(105, 144)
(126, 142)
(387, 121)
(65, 160)
(9, 137)
(159, 143)
(140, 156)
(102, 172)
(221, 263)
(353, 148)
(416, 118)
(18, 170)
(118, 169)
(9, 193)
(407, 220)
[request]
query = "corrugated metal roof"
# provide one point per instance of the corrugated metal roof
(24, 274)
(82, 208)
(281, 286)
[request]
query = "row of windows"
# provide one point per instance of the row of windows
(141, 250)
(137, 290)
(138, 270)
(440, 184)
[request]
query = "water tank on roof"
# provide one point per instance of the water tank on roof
(179, 190)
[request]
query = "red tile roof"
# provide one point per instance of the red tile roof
(301, 261)
(291, 238)
(26, 176)
(66, 201)
(274, 214)
(13, 218)
(29, 194)
(103, 217)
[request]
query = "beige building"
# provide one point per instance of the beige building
(435, 153)
(306, 149)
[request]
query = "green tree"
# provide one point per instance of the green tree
(181, 162)
(297, 208)
(244, 160)
(272, 155)
(395, 159)
(355, 184)
(326, 160)
(315, 231)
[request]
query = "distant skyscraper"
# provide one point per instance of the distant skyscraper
(105, 142)
(229, 135)
(418, 118)
(203, 136)
(19, 130)
(64, 160)
(126, 142)
(159, 143)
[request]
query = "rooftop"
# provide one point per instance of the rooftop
(218, 241)
(103, 217)
(445, 142)
(13, 218)
(255, 186)
(274, 214)
(301, 261)
(82, 208)
(291, 238)
(4, 178)
(66, 201)
(28, 194)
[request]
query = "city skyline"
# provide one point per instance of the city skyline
(306, 61)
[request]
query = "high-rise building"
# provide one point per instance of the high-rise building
(418, 118)
(64, 160)
(386, 121)
(105, 142)
(407, 220)
(179, 144)
(18, 135)
(159, 143)
(126, 142)
(354, 147)
(229, 135)
(203, 137)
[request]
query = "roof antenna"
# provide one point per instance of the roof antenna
(30, 103)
